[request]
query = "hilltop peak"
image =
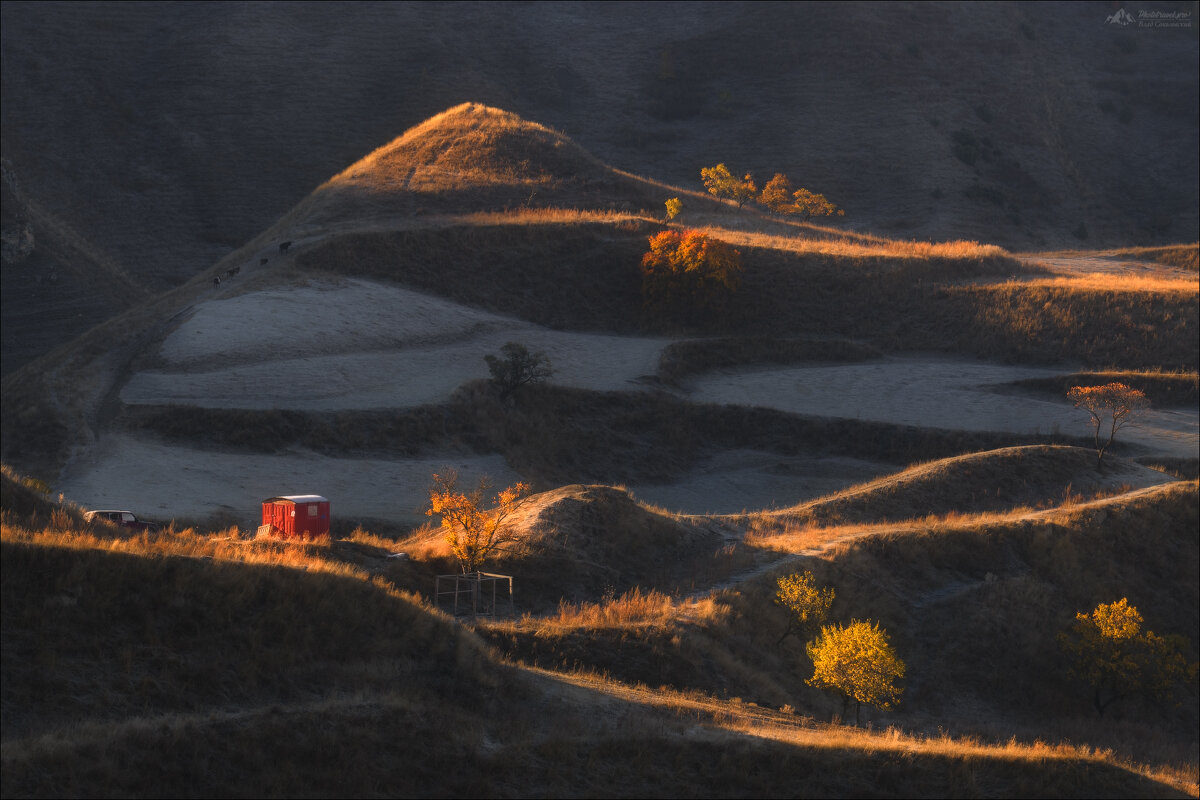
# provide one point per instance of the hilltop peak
(468, 158)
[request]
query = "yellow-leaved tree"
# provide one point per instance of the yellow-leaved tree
(1116, 658)
(473, 531)
(688, 272)
(807, 603)
(674, 207)
(810, 204)
(857, 662)
(720, 182)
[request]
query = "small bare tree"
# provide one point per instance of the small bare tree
(1111, 407)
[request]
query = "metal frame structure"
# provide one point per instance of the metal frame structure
(470, 594)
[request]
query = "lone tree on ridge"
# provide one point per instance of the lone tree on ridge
(689, 273)
(473, 532)
(858, 663)
(517, 368)
(1111, 407)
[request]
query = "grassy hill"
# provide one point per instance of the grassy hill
(205, 662)
(521, 222)
(151, 141)
(260, 337)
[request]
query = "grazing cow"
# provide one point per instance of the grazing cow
(283, 248)
(217, 281)
(234, 271)
(262, 261)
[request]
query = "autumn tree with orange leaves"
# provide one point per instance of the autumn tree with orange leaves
(1111, 407)
(473, 531)
(779, 196)
(688, 272)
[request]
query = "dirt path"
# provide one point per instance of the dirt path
(1101, 264)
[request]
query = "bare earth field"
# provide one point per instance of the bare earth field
(361, 345)
(357, 345)
(167, 482)
(932, 391)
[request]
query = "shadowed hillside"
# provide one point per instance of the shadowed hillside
(157, 138)
(120, 678)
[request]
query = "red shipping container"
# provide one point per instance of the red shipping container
(305, 515)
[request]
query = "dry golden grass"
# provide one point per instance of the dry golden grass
(865, 247)
(785, 726)
(171, 654)
(1104, 282)
(632, 609)
(994, 481)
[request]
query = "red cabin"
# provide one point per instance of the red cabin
(304, 515)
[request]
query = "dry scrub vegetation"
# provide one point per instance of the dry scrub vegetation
(648, 654)
(141, 665)
(168, 674)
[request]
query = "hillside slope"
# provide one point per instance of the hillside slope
(164, 136)
(194, 662)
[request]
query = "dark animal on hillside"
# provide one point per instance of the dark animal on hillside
(234, 271)
(217, 281)
(262, 261)
(283, 248)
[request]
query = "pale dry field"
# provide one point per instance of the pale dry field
(354, 344)
(163, 481)
(937, 392)
(361, 345)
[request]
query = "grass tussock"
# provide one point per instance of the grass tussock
(634, 608)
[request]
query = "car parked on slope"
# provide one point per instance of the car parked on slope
(124, 519)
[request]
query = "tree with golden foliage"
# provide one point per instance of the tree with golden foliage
(806, 603)
(1111, 407)
(1116, 658)
(778, 196)
(857, 662)
(688, 271)
(674, 206)
(810, 204)
(719, 182)
(472, 531)
(777, 193)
